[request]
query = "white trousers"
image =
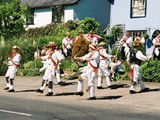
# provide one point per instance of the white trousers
(11, 73)
(103, 71)
(137, 77)
(88, 73)
(48, 76)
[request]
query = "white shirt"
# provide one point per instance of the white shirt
(92, 39)
(156, 40)
(142, 39)
(56, 56)
(140, 56)
(103, 52)
(67, 42)
(15, 60)
(96, 57)
(125, 41)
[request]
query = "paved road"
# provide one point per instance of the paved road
(112, 104)
(22, 109)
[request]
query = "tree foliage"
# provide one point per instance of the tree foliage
(11, 18)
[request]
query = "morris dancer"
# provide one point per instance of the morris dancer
(92, 37)
(135, 57)
(13, 65)
(156, 43)
(67, 45)
(103, 66)
(126, 43)
(89, 71)
(52, 58)
(140, 38)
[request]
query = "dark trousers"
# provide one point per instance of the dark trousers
(123, 53)
(157, 57)
(69, 52)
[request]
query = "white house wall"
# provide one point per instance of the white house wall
(42, 17)
(120, 14)
(68, 15)
(97, 9)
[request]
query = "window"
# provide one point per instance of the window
(57, 14)
(138, 8)
(30, 18)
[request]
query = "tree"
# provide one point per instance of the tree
(11, 18)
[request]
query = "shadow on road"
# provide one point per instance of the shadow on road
(108, 97)
(104, 97)
(67, 83)
(65, 94)
(116, 86)
(151, 90)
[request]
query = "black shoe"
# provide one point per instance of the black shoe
(79, 93)
(99, 87)
(39, 91)
(113, 79)
(6, 88)
(49, 94)
(61, 83)
(145, 90)
(132, 92)
(91, 98)
(12, 90)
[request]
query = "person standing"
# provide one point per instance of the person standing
(139, 38)
(156, 43)
(126, 43)
(67, 45)
(13, 65)
(135, 57)
(37, 53)
(89, 71)
(52, 58)
(91, 37)
(103, 66)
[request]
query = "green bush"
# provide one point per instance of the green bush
(88, 24)
(150, 71)
(29, 72)
(33, 65)
(72, 25)
(67, 63)
(31, 68)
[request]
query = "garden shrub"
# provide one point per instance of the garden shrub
(72, 25)
(150, 71)
(88, 24)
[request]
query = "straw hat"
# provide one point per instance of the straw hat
(15, 47)
(102, 43)
(93, 46)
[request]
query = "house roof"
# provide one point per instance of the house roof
(47, 3)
